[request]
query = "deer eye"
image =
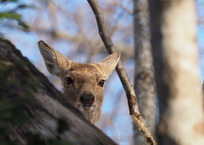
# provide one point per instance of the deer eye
(101, 83)
(69, 80)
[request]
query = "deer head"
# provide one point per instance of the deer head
(83, 84)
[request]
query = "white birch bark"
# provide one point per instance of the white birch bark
(175, 54)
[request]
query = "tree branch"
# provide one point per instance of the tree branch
(131, 96)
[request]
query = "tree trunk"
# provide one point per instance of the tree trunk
(144, 77)
(175, 55)
(46, 106)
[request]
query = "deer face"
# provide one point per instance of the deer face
(83, 87)
(83, 84)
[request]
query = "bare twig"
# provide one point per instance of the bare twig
(203, 88)
(131, 96)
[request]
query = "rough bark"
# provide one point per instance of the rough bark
(175, 55)
(144, 77)
(130, 93)
(46, 106)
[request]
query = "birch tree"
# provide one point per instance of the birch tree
(175, 55)
(144, 80)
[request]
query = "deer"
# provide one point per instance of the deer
(83, 84)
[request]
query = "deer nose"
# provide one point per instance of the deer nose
(87, 100)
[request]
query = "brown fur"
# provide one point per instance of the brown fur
(86, 78)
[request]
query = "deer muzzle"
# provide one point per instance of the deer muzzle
(87, 100)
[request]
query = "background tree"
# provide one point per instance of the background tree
(9, 16)
(178, 83)
(144, 77)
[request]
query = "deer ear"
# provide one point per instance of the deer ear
(108, 64)
(55, 62)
